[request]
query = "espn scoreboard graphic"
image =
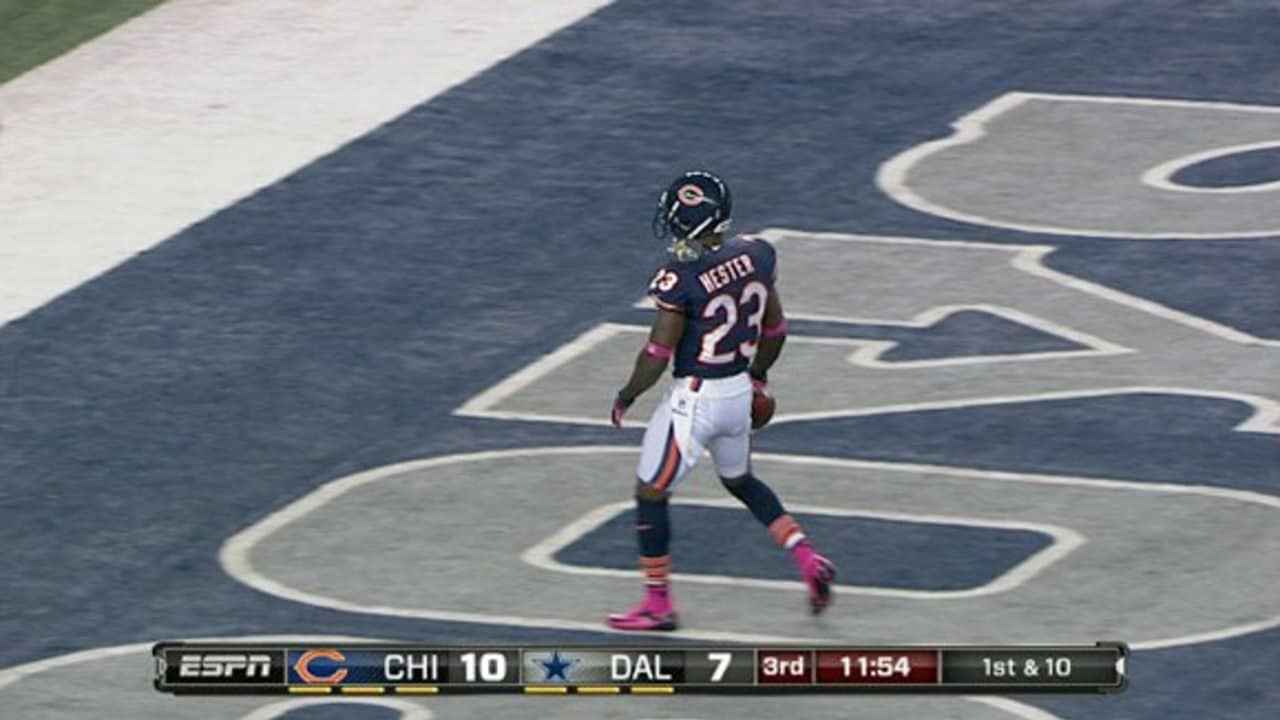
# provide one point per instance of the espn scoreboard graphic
(376, 669)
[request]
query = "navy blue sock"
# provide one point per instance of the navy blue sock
(653, 527)
(758, 497)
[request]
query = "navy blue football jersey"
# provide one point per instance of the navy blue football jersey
(722, 295)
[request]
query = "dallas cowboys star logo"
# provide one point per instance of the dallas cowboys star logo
(557, 666)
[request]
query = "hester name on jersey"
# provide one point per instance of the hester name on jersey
(722, 295)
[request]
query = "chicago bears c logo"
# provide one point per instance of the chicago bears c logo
(691, 195)
(303, 667)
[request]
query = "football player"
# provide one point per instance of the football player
(720, 319)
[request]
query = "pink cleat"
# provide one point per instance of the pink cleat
(818, 573)
(650, 614)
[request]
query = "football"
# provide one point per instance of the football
(762, 407)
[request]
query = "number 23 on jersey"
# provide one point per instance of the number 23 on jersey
(739, 328)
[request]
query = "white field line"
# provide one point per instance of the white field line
(128, 139)
(893, 176)
(1161, 176)
(1030, 259)
(495, 395)
(1062, 542)
(235, 553)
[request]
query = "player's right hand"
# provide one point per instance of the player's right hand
(763, 404)
(620, 407)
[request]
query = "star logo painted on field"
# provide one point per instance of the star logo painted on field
(556, 666)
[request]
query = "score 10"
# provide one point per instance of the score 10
(882, 666)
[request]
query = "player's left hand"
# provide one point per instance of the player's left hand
(620, 407)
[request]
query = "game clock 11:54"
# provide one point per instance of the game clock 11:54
(877, 666)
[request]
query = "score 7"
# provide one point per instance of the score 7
(722, 660)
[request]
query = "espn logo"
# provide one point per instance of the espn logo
(228, 665)
(186, 666)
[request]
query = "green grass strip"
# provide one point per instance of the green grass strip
(33, 32)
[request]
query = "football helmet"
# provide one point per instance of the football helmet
(695, 206)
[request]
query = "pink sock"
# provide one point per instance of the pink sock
(658, 598)
(803, 553)
(657, 573)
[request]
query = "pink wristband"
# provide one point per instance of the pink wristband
(776, 330)
(661, 352)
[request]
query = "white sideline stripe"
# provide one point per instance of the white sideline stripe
(1063, 542)
(132, 137)
(234, 554)
(1161, 176)
(1030, 259)
(892, 176)
(10, 675)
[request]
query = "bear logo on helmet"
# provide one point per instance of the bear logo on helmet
(691, 195)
